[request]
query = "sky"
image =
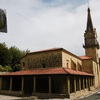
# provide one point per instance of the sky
(44, 24)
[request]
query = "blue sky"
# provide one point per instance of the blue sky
(43, 24)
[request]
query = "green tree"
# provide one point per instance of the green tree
(5, 58)
(16, 55)
(11, 57)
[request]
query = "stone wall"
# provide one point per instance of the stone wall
(71, 62)
(87, 66)
(92, 52)
(42, 60)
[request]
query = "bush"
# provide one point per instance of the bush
(7, 69)
(1, 68)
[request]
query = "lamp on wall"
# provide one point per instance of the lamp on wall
(3, 21)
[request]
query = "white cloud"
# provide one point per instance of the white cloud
(35, 25)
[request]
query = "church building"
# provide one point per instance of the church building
(56, 72)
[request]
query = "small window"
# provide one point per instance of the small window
(67, 65)
(43, 65)
(23, 64)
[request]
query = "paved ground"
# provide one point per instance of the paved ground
(93, 96)
(54, 99)
(4, 97)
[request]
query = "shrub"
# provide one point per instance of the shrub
(1, 68)
(7, 69)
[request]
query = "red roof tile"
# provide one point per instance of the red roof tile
(48, 71)
(74, 72)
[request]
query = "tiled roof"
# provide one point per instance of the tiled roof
(46, 50)
(85, 57)
(48, 71)
(41, 51)
(74, 72)
(52, 49)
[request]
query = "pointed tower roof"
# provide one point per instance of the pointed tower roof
(90, 35)
(89, 21)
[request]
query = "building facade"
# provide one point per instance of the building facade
(56, 72)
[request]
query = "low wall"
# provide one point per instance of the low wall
(28, 98)
(50, 95)
(15, 93)
(79, 94)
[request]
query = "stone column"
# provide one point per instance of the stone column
(89, 82)
(22, 87)
(93, 81)
(49, 84)
(10, 83)
(83, 83)
(74, 84)
(0, 83)
(86, 83)
(34, 84)
(80, 83)
(68, 85)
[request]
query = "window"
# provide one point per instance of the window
(67, 64)
(79, 66)
(43, 65)
(73, 65)
(23, 64)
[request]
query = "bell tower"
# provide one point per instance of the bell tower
(91, 44)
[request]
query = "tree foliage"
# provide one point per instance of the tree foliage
(16, 54)
(10, 57)
(5, 58)
(5, 69)
(1, 68)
